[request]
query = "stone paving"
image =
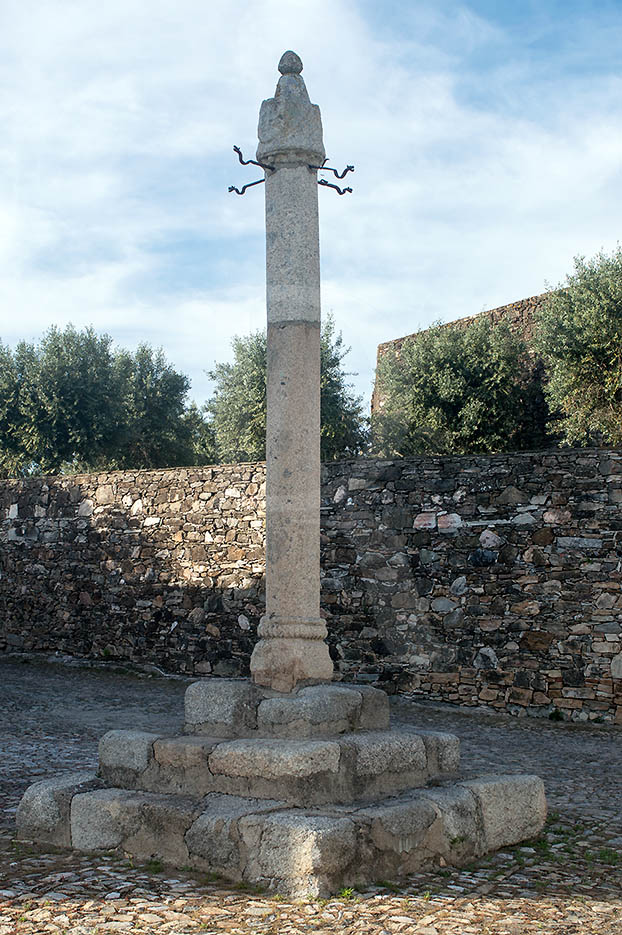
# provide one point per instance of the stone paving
(568, 881)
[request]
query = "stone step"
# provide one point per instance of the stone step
(238, 708)
(358, 766)
(296, 851)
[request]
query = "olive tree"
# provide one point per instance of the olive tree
(579, 337)
(237, 408)
(456, 390)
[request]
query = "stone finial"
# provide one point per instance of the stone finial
(290, 126)
(290, 64)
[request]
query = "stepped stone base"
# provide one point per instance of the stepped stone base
(341, 804)
(297, 851)
(239, 708)
(340, 769)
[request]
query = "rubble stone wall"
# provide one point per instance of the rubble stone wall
(472, 580)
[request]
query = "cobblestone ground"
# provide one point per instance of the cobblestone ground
(568, 881)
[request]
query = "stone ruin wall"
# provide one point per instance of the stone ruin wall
(472, 580)
(518, 316)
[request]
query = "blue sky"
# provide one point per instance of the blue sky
(487, 139)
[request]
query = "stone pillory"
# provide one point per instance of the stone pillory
(292, 647)
(301, 787)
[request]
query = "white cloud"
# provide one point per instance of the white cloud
(474, 183)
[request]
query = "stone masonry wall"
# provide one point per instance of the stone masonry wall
(473, 580)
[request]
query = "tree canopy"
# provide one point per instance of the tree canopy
(72, 402)
(579, 336)
(458, 390)
(237, 410)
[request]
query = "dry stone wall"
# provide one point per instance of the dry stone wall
(473, 580)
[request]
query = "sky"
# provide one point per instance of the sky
(486, 136)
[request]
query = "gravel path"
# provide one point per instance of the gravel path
(569, 881)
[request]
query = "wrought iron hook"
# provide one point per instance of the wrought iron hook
(263, 165)
(341, 191)
(240, 191)
(250, 162)
(338, 175)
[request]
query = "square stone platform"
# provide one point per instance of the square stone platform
(303, 793)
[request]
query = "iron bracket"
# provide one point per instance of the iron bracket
(341, 191)
(248, 162)
(338, 175)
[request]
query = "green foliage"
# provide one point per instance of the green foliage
(64, 402)
(156, 430)
(73, 403)
(237, 409)
(458, 390)
(344, 428)
(346, 893)
(10, 418)
(579, 336)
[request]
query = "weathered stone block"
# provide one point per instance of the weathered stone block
(43, 814)
(164, 821)
(183, 752)
(299, 854)
(375, 714)
(101, 820)
(512, 808)
(318, 709)
(395, 830)
(459, 835)
(221, 707)
(275, 759)
(381, 763)
(442, 752)
(385, 751)
(213, 840)
(180, 766)
(124, 755)
(145, 824)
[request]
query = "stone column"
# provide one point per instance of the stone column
(292, 647)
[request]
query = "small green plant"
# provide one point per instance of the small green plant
(154, 865)
(556, 715)
(542, 846)
(427, 895)
(20, 848)
(321, 901)
(607, 855)
(346, 893)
